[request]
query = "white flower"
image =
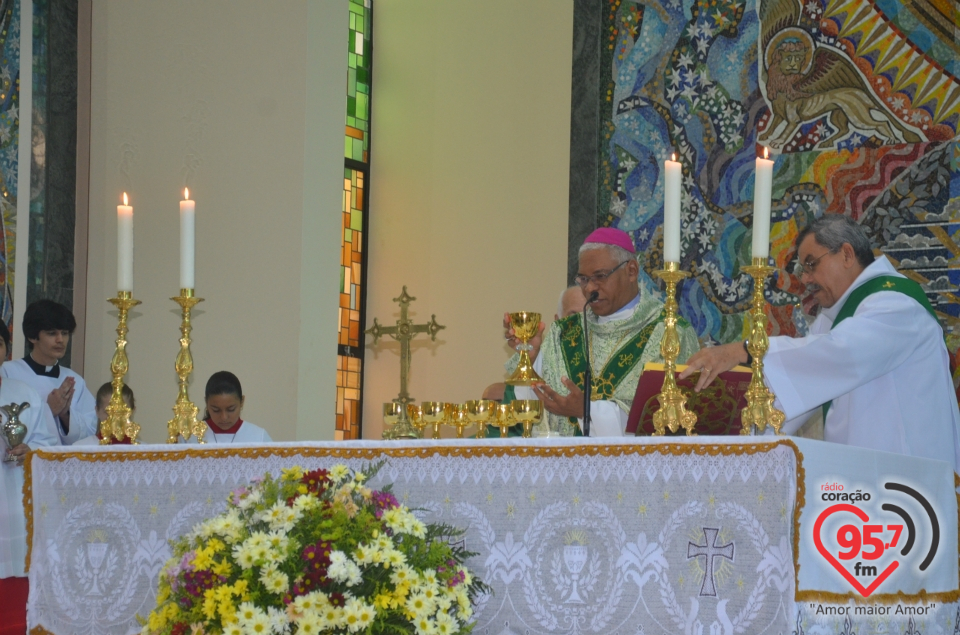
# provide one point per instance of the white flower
(331, 617)
(251, 499)
(338, 473)
(343, 569)
(309, 624)
(275, 581)
(357, 615)
(425, 626)
(420, 605)
(446, 625)
(259, 625)
(403, 574)
(243, 554)
(232, 629)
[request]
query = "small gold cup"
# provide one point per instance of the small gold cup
(505, 418)
(391, 414)
(415, 415)
(457, 417)
(433, 414)
(481, 412)
(528, 412)
(525, 325)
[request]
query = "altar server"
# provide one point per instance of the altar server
(47, 326)
(625, 328)
(104, 394)
(13, 524)
(224, 401)
(874, 361)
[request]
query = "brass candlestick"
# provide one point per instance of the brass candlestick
(759, 410)
(185, 422)
(118, 423)
(673, 412)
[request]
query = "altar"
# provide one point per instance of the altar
(681, 535)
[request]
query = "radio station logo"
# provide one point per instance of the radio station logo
(866, 548)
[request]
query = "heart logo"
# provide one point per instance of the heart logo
(862, 515)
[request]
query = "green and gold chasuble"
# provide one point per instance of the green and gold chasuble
(618, 350)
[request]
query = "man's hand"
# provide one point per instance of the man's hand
(19, 452)
(712, 361)
(59, 398)
(513, 342)
(570, 405)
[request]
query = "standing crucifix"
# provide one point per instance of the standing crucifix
(404, 331)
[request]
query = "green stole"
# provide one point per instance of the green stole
(621, 362)
(880, 283)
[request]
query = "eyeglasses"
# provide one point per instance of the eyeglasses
(811, 266)
(599, 278)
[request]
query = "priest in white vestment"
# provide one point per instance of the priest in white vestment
(13, 523)
(624, 332)
(47, 327)
(875, 359)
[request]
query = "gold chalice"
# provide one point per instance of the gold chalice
(433, 414)
(528, 412)
(415, 415)
(391, 414)
(481, 412)
(457, 417)
(505, 418)
(525, 326)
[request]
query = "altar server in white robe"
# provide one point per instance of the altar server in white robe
(875, 358)
(224, 401)
(47, 327)
(13, 523)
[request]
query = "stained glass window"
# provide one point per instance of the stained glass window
(356, 151)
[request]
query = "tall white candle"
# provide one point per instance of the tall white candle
(762, 195)
(125, 246)
(187, 241)
(671, 210)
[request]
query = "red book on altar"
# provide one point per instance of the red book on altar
(717, 406)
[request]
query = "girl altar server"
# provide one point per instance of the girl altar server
(224, 401)
(41, 432)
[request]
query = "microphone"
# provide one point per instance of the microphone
(587, 376)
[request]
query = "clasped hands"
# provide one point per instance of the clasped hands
(59, 398)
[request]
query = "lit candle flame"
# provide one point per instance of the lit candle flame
(673, 157)
(766, 152)
(125, 201)
(186, 194)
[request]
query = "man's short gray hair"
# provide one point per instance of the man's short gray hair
(621, 254)
(563, 293)
(833, 230)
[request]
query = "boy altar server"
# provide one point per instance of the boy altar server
(47, 327)
(224, 399)
(874, 362)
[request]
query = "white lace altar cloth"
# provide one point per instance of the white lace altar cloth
(658, 536)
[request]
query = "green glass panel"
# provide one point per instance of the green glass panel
(348, 147)
(356, 220)
(347, 173)
(351, 106)
(342, 272)
(353, 21)
(351, 82)
(352, 59)
(361, 107)
(358, 149)
(347, 235)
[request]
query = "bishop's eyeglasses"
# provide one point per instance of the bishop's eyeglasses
(599, 278)
(811, 265)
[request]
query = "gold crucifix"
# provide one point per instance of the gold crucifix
(404, 331)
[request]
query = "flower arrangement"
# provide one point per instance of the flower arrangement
(315, 552)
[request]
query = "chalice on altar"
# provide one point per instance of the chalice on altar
(456, 415)
(13, 430)
(528, 412)
(525, 326)
(415, 415)
(505, 418)
(391, 414)
(433, 413)
(481, 412)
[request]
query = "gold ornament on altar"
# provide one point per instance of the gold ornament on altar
(404, 331)
(673, 413)
(434, 414)
(482, 412)
(118, 425)
(759, 411)
(529, 412)
(525, 326)
(185, 423)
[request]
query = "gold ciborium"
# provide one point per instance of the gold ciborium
(481, 412)
(415, 415)
(759, 410)
(528, 412)
(391, 414)
(525, 326)
(433, 414)
(505, 419)
(457, 417)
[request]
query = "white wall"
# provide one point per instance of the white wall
(468, 186)
(244, 102)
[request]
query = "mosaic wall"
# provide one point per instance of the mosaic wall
(859, 102)
(352, 259)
